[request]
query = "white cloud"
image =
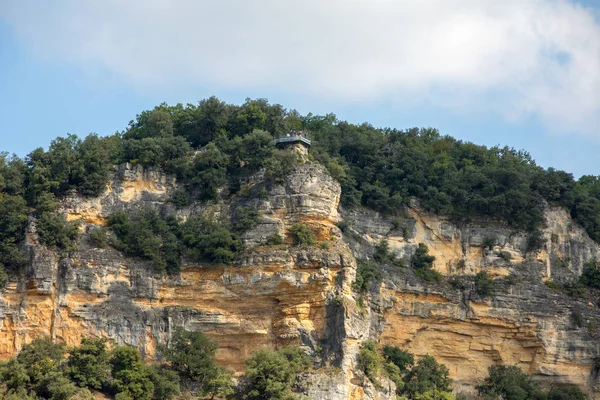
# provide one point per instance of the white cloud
(514, 57)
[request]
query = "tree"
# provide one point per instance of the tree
(270, 374)
(88, 364)
(166, 382)
(192, 356)
(302, 235)
(369, 360)
(427, 375)
(131, 379)
(509, 383)
(56, 232)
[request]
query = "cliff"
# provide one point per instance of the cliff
(284, 294)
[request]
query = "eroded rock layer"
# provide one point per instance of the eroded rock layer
(278, 295)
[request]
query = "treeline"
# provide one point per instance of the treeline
(47, 370)
(426, 379)
(212, 146)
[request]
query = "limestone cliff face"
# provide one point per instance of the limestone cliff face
(525, 323)
(278, 295)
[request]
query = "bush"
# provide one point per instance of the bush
(509, 383)
(591, 275)
(244, 219)
(484, 285)
(577, 319)
(210, 241)
(552, 284)
(131, 378)
(566, 393)
(488, 242)
(270, 374)
(369, 361)
(149, 235)
(302, 235)
(56, 232)
(535, 241)
(344, 225)
(428, 275)
(423, 264)
(88, 364)
(275, 239)
(366, 273)
(421, 258)
(427, 375)
(180, 198)
(98, 237)
(192, 356)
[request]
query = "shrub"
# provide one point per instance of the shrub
(98, 237)
(484, 285)
(149, 235)
(270, 374)
(577, 319)
(404, 360)
(344, 225)
(244, 219)
(509, 383)
(180, 198)
(427, 375)
(369, 361)
(421, 258)
(131, 379)
(428, 275)
(552, 284)
(302, 235)
(210, 241)
(591, 275)
(488, 242)
(275, 239)
(566, 393)
(192, 356)
(574, 289)
(56, 232)
(366, 273)
(88, 364)
(535, 241)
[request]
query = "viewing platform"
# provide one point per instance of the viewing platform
(291, 139)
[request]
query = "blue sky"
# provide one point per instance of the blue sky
(524, 74)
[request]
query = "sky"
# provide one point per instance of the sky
(522, 73)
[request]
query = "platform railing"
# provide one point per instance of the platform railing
(292, 138)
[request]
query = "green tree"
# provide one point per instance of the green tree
(509, 383)
(484, 285)
(192, 356)
(302, 235)
(88, 364)
(56, 232)
(131, 379)
(270, 374)
(427, 375)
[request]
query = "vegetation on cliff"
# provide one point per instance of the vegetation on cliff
(214, 146)
(47, 370)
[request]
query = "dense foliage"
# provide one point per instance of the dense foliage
(41, 371)
(422, 262)
(213, 147)
(271, 374)
(47, 370)
(510, 383)
(415, 381)
(165, 239)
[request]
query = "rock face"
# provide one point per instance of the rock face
(280, 295)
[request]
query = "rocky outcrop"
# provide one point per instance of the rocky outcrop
(524, 323)
(278, 295)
